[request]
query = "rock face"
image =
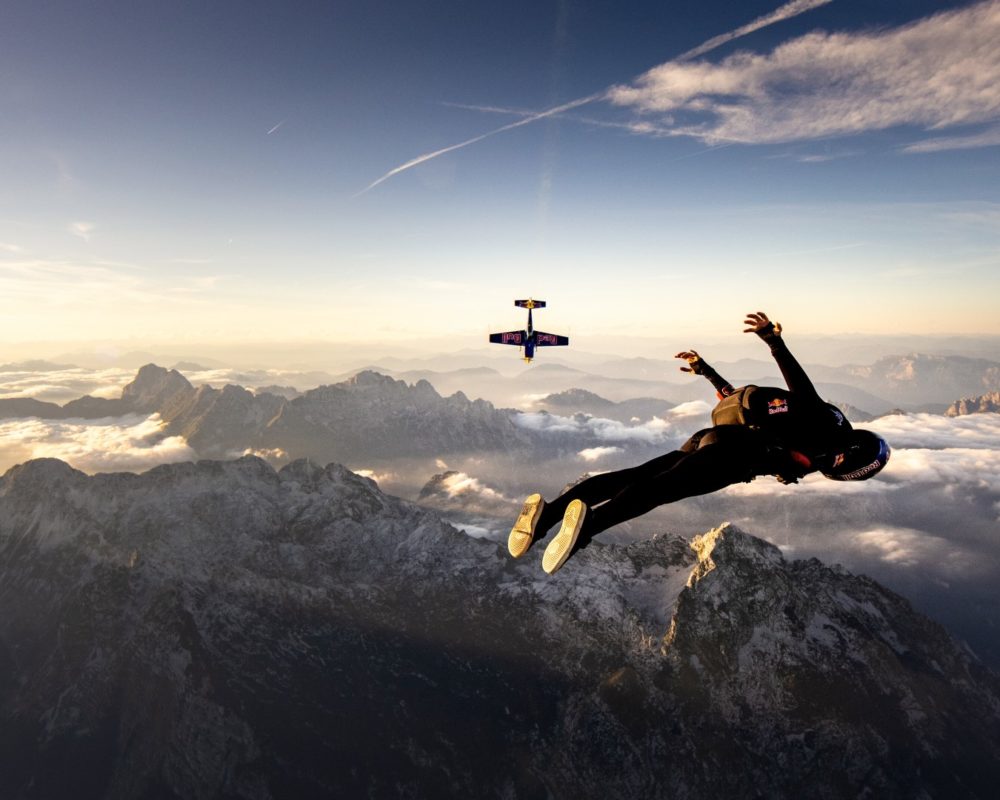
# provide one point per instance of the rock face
(382, 417)
(919, 378)
(155, 389)
(984, 404)
(368, 416)
(222, 630)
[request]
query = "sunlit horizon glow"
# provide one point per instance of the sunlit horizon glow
(223, 198)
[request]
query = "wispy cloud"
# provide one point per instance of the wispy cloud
(198, 284)
(82, 229)
(413, 162)
(54, 281)
(909, 548)
(53, 284)
(988, 138)
(786, 11)
(814, 250)
(977, 215)
(941, 71)
(633, 126)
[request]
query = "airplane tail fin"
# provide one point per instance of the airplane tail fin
(529, 304)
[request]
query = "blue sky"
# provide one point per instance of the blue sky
(203, 172)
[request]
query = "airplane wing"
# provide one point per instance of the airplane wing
(550, 339)
(517, 338)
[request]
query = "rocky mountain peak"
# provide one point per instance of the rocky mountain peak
(231, 618)
(39, 473)
(370, 378)
(734, 548)
(154, 388)
(437, 484)
(983, 404)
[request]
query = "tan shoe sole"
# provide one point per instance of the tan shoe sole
(561, 547)
(523, 532)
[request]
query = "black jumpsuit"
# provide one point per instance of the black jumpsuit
(757, 430)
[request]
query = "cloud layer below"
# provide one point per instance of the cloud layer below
(133, 443)
(676, 424)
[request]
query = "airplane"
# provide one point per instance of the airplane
(529, 339)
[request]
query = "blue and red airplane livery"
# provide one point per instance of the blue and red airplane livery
(529, 339)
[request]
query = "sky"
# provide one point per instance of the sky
(238, 172)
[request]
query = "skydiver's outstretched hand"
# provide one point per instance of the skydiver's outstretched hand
(695, 363)
(757, 322)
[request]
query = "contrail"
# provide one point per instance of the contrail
(787, 11)
(275, 128)
(533, 118)
(635, 127)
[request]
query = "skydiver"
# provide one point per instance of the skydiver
(756, 430)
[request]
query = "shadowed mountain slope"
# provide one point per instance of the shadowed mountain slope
(220, 629)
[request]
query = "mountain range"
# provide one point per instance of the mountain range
(220, 629)
(913, 382)
(984, 403)
(368, 415)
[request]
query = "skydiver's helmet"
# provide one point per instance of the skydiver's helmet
(865, 457)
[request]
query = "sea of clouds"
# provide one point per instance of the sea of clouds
(928, 526)
(132, 443)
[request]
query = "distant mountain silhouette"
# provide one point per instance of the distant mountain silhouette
(580, 401)
(34, 365)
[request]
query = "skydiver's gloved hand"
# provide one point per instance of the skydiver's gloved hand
(759, 323)
(696, 364)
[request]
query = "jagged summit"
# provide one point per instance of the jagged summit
(369, 416)
(154, 387)
(221, 628)
(41, 471)
(982, 404)
(372, 378)
(437, 484)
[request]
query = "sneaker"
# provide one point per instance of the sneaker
(561, 547)
(524, 529)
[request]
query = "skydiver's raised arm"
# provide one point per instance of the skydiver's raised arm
(795, 377)
(698, 366)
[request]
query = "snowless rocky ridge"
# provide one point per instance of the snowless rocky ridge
(368, 416)
(219, 629)
(983, 404)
